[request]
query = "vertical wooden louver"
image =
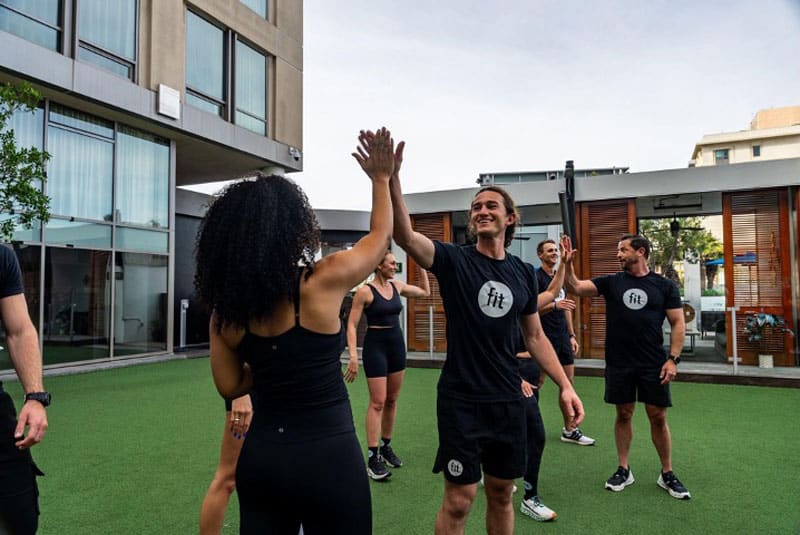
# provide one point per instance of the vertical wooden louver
(757, 268)
(436, 227)
(600, 226)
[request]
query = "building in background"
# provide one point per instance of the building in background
(485, 179)
(140, 97)
(773, 134)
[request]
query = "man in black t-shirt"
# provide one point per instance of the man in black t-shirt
(19, 508)
(637, 368)
(487, 295)
(557, 325)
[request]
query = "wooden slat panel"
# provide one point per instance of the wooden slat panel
(757, 268)
(600, 226)
(436, 227)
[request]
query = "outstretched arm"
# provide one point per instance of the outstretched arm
(417, 245)
(575, 286)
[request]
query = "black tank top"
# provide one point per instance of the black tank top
(384, 312)
(298, 369)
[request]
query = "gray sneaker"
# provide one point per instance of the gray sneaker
(534, 508)
(673, 485)
(576, 437)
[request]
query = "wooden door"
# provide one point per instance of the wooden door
(758, 269)
(436, 227)
(600, 225)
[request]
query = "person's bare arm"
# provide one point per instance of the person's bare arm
(575, 286)
(359, 300)
(23, 349)
(417, 245)
(540, 348)
(409, 290)
(677, 337)
(232, 378)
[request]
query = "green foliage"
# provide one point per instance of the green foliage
(712, 292)
(692, 243)
(757, 325)
(21, 169)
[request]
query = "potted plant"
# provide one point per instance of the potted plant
(756, 326)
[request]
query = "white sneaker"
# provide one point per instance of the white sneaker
(513, 490)
(576, 437)
(534, 508)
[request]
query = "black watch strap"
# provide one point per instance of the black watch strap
(41, 397)
(675, 358)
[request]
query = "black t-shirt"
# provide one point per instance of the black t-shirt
(635, 312)
(554, 322)
(10, 276)
(483, 301)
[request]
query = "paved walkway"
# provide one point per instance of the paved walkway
(697, 372)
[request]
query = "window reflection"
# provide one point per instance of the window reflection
(29, 263)
(77, 301)
(140, 312)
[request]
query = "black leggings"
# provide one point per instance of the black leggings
(536, 434)
(311, 476)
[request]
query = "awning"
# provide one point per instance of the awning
(746, 258)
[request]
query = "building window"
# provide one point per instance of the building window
(259, 6)
(205, 65)
(140, 311)
(756, 151)
(38, 21)
(225, 75)
(251, 89)
(142, 196)
(721, 156)
(107, 35)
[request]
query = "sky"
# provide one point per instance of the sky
(521, 85)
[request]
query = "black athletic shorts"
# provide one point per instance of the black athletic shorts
(627, 385)
(384, 352)
(472, 435)
(564, 353)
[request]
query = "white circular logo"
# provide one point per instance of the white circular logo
(635, 299)
(495, 299)
(455, 468)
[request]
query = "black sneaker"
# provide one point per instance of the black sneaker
(673, 485)
(387, 455)
(376, 469)
(621, 479)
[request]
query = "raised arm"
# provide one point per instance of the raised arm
(575, 286)
(357, 308)
(417, 245)
(423, 290)
(343, 270)
(23, 348)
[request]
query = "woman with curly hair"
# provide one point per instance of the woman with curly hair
(275, 330)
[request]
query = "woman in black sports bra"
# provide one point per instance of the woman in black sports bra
(384, 357)
(275, 331)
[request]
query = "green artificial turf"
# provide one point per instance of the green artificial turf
(132, 451)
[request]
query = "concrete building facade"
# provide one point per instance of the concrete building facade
(140, 97)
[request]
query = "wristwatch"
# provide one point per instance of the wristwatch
(675, 358)
(41, 397)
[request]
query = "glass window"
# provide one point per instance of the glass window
(81, 121)
(30, 264)
(205, 50)
(77, 305)
(107, 32)
(37, 21)
(142, 240)
(79, 175)
(251, 89)
(140, 312)
(756, 151)
(721, 156)
(142, 179)
(259, 6)
(28, 130)
(78, 233)
(21, 233)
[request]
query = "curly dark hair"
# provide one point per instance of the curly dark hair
(253, 238)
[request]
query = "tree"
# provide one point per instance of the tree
(690, 242)
(21, 169)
